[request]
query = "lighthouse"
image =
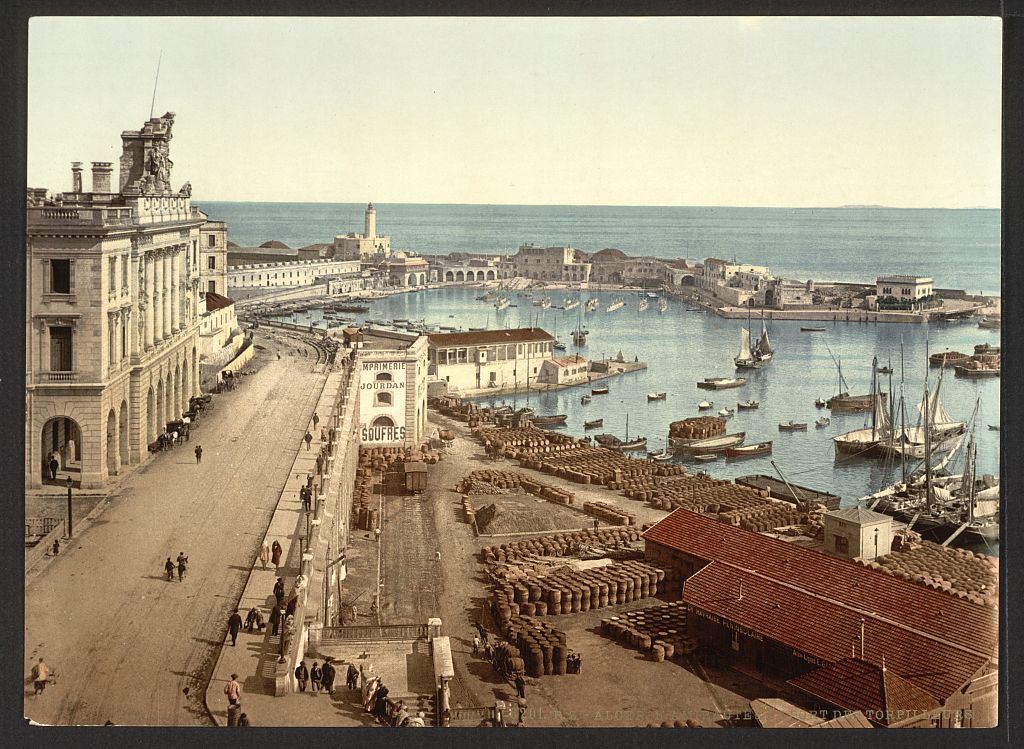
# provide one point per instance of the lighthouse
(370, 224)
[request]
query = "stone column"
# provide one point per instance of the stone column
(158, 297)
(175, 292)
(150, 272)
(166, 290)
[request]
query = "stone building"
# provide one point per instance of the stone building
(366, 246)
(213, 256)
(404, 269)
(563, 264)
(615, 267)
(113, 308)
(290, 274)
(489, 359)
(564, 370)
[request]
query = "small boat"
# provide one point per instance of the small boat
(793, 426)
(709, 445)
(400, 319)
(595, 424)
(986, 348)
(705, 405)
(614, 443)
(657, 396)
(585, 400)
(661, 456)
(747, 405)
(820, 403)
(994, 427)
(718, 383)
(990, 323)
(747, 451)
(579, 337)
(812, 330)
(726, 412)
(824, 421)
(449, 328)
(706, 458)
(948, 359)
(592, 304)
(502, 303)
(558, 346)
(617, 304)
(644, 305)
(488, 297)
(553, 419)
(979, 370)
(476, 330)
(662, 305)
(694, 309)
(571, 304)
(599, 391)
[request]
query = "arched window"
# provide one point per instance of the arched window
(383, 377)
(382, 399)
(383, 421)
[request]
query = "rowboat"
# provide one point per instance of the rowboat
(718, 383)
(661, 456)
(614, 443)
(991, 323)
(747, 405)
(705, 405)
(558, 346)
(599, 391)
(555, 419)
(709, 445)
(793, 426)
(657, 396)
(726, 411)
(595, 424)
(617, 304)
(584, 400)
(707, 458)
(986, 348)
(948, 359)
(747, 451)
(812, 330)
(820, 403)
(824, 421)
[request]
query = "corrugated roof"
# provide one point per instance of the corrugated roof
(853, 684)
(827, 629)
(905, 603)
(488, 337)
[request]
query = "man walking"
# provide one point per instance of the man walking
(302, 675)
(40, 673)
(476, 644)
(233, 690)
(279, 590)
(352, 677)
(315, 675)
(327, 676)
(275, 619)
(520, 686)
(182, 565)
(199, 454)
(316, 419)
(309, 439)
(169, 569)
(264, 554)
(54, 465)
(234, 624)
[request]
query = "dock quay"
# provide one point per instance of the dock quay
(778, 490)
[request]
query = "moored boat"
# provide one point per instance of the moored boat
(793, 426)
(719, 383)
(726, 411)
(553, 419)
(705, 405)
(811, 330)
(977, 371)
(706, 457)
(662, 305)
(823, 422)
(986, 348)
(599, 391)
(709, 445)
(584, 400)
(657, 396)
(644, 305)
(948, 359)
(820, 403)
(617, 304)
(661, 456)
(595, 424)
(558, 346)
(747, 405)
(990, 323)
(748, 451)
(571, 304)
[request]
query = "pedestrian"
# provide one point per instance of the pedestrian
(56, 546)
(302, 674)
(234, 624)
(275, 620)
(315, 675)
(323, 434)
(316, 420)
(275, 556)
(233, 690)
(352, 677)
(40, 673)
(327, 674)
(182, 565)
(250, 620)
(169, 569)
(199, 454)
(476, 644)
(259, 620)
(264, 553)
(437, 556)
(309, 439)
(307, 497)
(279, 590)
(520, 686)
(488, 650)
(54, 465)
(243, 720)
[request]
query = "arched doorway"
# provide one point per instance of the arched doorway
(122, 432)
(449, 276)
(61, 437)
(176, 399)
(112, 447)
(168, 403)
(490, 275)
(161, 403)
(383, 421)
(460, 276)
(150, 419)
(410, 280)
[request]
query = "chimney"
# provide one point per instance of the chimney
(76, 176)
(101, 171)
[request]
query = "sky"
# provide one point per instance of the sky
(793, 112)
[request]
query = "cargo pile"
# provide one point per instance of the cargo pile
(567, 590)
(659, 631)
(959, 572)
(509, 440)
(609, 513)
(593, 465)
(534, 647)
(467, 511)
(558, 544)
(372, 462)
(507, 482)
(697, 428)
(765, 517)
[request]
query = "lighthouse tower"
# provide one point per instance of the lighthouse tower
(370, 223)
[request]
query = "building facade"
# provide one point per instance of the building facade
(720, 272)
(290, 274)
(112, 323)
(365, 246)
(392, 371)
(564, 370)
(489, 359)
(213, 256)
(563, 264)
(904, 288)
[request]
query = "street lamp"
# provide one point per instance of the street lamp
(70, 528)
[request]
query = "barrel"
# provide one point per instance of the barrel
(657, 653)
(540, 608)
(584, 598)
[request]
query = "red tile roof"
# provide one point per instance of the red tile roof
(489, 337)
(827, 629)
(853, 684)
(903, 602)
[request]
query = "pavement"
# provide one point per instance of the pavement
(123, 640)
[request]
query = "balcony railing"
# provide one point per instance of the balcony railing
(59, 376)
(73, 216)
(371, 632)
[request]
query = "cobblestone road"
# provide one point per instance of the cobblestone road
(124, 641)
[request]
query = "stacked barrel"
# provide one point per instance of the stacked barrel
(374, 461)
(959, 572)
(765, 517)
(609, 513)
(659, 631)
(569, 591)
(540, 647)
(697, 428)
(558, 544)
(504, 482)
(594, 465)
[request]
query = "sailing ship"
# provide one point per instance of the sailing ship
(579, 337)
(592, 304)
(502, 304)
(843, 401)
(617, 304)
(749, 451)
(571, 304)
(753, 357)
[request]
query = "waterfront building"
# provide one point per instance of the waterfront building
(784, 293)
(221, 339)
(392, 385)
(113, 313)
(720, 272)
(489, 359)
(903, 288)
(366, 246)
(405, 269)
(613, 266)
(559, 264)
(774, 608)
(682, 273)
(459, 267)
(564, 370)
(858, 533)
(290, 274)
